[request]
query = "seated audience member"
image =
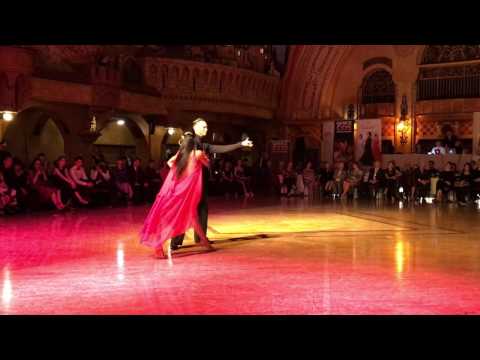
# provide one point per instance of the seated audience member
(103, 188)
(84, 185)
(138, 182)
(463, 184)
(249, 172)
(152, 176)
(62, 180)
(438, 149)
(229, 184)
(335, 186)
(47, 166)
(299, 184)
(432, 170)
(8, 200)
(422, 186)
(476, 181)
(290, 179)
(411, 181)
(309, 180)
(121, 179)
(216, 176)
(353, 179)
(280, 177)
(6, 167)
(242, 180)
(392, 175)
(44, 191)
(445, 182)
(20, 184)
(325, 176)
(376, 179)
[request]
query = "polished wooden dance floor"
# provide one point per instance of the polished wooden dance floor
(273, 257)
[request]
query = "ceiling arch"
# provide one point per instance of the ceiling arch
(309, 82)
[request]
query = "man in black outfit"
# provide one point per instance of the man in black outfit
(200, 129)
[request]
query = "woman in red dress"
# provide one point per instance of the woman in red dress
(175, 208)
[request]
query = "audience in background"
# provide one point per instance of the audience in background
(69, 186)
(62, 180)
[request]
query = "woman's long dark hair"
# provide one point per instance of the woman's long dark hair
(186, 147)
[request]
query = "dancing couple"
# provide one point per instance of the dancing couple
(181, 203)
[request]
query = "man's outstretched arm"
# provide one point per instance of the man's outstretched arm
(227, 148)
(219, 149)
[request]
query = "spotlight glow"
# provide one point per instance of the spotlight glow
(120, 122)
(171, 131)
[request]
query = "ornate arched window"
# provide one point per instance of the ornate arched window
(378, 87)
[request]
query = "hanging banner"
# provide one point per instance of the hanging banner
(343, 141)
(368, 143)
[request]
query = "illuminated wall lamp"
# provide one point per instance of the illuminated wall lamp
(8, 115)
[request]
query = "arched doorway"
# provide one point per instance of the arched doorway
(121, 138)
(36, 131)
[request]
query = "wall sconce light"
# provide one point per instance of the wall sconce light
(93, 124)
(403, 123)
(8, 115)
(171, 131)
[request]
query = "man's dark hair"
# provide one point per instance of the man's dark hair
(78, 158)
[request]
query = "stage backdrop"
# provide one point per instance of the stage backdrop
(368, 133)
(343, 143)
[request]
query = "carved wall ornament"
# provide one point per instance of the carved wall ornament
(436, 54)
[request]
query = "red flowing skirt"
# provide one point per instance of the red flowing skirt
(175, 208)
